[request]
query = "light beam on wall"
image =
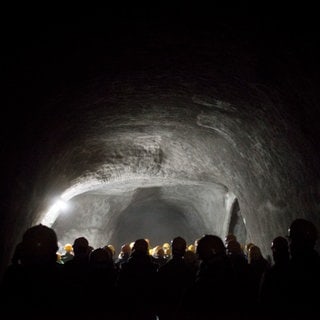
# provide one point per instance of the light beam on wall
(59, 206)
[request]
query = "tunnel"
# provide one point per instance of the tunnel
(154, 130)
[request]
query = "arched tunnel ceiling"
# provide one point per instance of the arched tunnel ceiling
(164, 124)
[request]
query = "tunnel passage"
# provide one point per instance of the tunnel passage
(169, 114)
(187, 209)
(142, 143)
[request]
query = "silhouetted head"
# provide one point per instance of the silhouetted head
(233, 247)
(126, 248)
(229, 237)
(113, 250)
(254, 254)
(247, 247)
(141, 246)
(81, 246)
(179, 246)
(302, 235)
(108, 250)
(100, 256)
(159, 252)
(39, 245)
(280, 249)
(279, 244)
(209, 246)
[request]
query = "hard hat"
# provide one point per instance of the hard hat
(68, 247)
(166, 245)
(167, 252)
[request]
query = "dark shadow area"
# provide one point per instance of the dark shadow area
(237, 226)
(158, 220)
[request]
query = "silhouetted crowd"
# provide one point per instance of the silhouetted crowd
(210, 279)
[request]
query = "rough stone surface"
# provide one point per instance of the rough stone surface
(153, 130)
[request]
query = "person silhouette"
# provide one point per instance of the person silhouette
(173, 279)
(136, 283)
(215, 280)
(304, 267)
(274, 285)
(30, 285)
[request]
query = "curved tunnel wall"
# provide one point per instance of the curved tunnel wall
(245, 152)
(183, 130)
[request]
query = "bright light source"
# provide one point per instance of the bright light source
(61, 205)
(54, 212)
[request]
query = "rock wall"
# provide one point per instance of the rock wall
(171, 120)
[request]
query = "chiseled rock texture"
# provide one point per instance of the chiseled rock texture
(151, 132)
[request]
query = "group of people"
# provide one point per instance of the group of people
(214, 279)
